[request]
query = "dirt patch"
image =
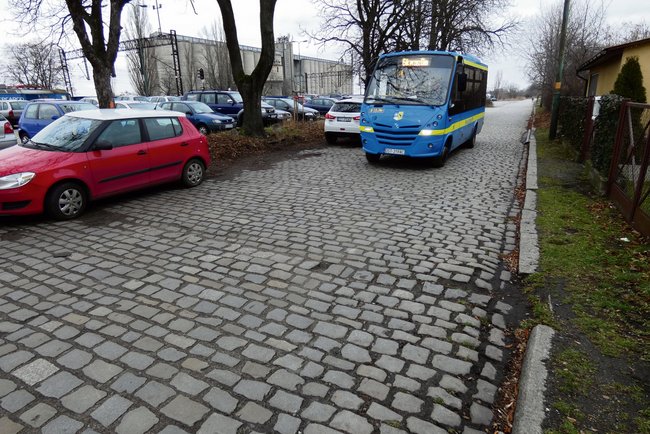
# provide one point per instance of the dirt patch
(281, 142)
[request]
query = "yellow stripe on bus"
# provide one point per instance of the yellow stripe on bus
(453, 127)
(450, 129)
(475, 65)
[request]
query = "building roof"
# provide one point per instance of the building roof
(610, 53)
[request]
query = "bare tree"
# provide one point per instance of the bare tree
(189, 66)
(467, 25)
(498, 82)
(251, 85)
(34, 63)
(99, 41)
(218, 73)
(364, 28)
(587, 34)
(141, 63)
(633, 32)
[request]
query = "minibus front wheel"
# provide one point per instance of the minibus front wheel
(373, 158)
(440, 160)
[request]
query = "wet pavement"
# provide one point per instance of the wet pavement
(314, 294)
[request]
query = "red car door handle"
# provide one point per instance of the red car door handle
(184, 144)
(142, 152)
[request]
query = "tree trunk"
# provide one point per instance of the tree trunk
(251, 86)
(102, 79)
(252, 96)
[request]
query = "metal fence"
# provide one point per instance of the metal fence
(629, 178)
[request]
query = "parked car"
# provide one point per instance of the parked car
(90, 99)
(87, 155)
(11, 109)
(200, 115)
(269, 115)
(132, 98)
(7, 136)
(287, 104)
(230, 103)
(163, 98)
(342, 120)
(40, 113)
(135, 105)
(221, 101)
(323, 105)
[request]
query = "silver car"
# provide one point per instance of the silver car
(7, 136)
(11, 109)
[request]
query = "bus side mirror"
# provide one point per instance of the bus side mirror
(462, 82)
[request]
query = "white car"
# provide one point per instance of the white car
(342, 120)
(135, 105)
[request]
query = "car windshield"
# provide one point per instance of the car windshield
(346, 107)
(66, 134)
(67, 108)
(200, 107)
(412, 79)
(143, 106)
(18, 105)
(236, 97)
(141, 98)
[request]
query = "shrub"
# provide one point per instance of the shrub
(629, 83)
(572, 120)
(605, 128)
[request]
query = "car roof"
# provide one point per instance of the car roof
(112, 114)
(57, 101)
(357, 99)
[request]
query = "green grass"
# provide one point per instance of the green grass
(575, 371)
(606, 279)
(598, 268)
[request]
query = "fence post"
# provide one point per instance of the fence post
(638, 190)
(588, 131)
(617, 147)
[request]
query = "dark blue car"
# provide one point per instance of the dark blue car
(38, 114)
(202, 117)
(226, 102)
(323, 105)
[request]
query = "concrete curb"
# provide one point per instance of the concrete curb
(530, 414)
(528, 241)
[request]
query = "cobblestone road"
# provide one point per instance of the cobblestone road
(318, 294)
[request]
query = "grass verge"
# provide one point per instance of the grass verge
(595, 271)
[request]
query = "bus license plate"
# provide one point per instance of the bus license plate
(394, 151)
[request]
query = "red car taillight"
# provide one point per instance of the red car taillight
(8, 128)
(329, 116)
(356, 118)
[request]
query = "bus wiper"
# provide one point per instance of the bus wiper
(412, 98)
(379, 99)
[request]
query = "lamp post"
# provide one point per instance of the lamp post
(299, 64)
(157, 7)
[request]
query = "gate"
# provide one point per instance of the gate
(629, 181)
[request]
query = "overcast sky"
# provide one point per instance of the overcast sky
(294, 16)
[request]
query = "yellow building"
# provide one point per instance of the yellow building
(604, 67)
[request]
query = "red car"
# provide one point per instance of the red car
(97, 153)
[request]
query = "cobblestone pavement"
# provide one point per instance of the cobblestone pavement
(318, 294)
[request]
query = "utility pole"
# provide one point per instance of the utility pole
(555, 108)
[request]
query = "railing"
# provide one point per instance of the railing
(629, 179)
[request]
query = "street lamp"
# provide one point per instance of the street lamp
(155, 7)
(300, 64)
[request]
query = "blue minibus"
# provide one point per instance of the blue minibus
(423, 104)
